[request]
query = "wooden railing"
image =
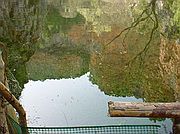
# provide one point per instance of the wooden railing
(4, 91)
(154, 110)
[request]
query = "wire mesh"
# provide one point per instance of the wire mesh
(113, 129)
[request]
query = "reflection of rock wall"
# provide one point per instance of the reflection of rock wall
(3, 121)
(68, 8)
(107, 70)
(142, 79)
(170, 65)
(45, 66)
(20, 20)
(21, 23)
(99, 14)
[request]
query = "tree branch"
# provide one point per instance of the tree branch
(156, 24)
(153, 16)
(135, 23)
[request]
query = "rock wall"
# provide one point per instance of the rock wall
(169, 59)
(3, 121)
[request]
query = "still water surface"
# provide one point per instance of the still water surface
(78, 67)
(73, 102)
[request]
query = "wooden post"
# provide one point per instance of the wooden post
(154, 110)
(176, 126)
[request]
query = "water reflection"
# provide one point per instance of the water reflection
(76, 39)
(20, 27)
(72, 102)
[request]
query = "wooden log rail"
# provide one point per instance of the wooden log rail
(155, 110)
(4, 91)
(140, 109)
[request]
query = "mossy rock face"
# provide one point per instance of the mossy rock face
(56, 65)
(56, 23)
(18, 55)
(20, 32)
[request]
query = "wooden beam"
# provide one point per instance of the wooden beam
(4, 91)
(155, 110)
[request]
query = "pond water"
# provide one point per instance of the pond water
(68, 102)
(80, 65)
(74, 102)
